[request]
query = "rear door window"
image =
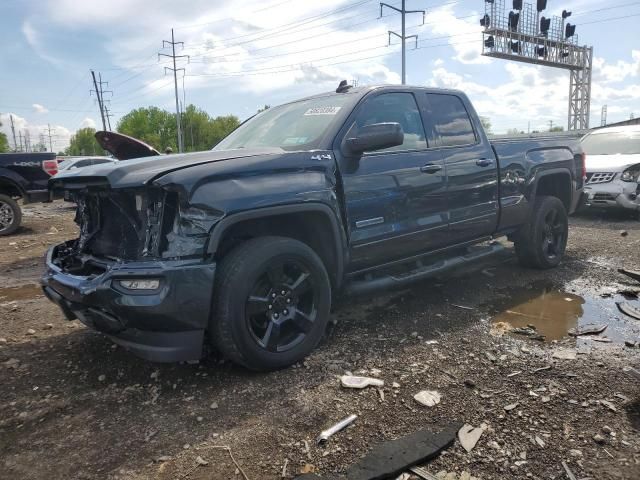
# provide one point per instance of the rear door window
(399, 108)
(450, 120)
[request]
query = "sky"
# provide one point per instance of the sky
(244, 54)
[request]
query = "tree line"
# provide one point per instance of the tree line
(157, 128)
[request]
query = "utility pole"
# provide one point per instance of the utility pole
(173, 56)
(49, 132)
(20, 133)
(97, 91)
(108, 115)
(27, 141)
(550, 125)
(403, 37)
(13, 131)
(603, 116)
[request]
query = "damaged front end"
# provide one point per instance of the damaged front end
(136, 225)
(138, 270)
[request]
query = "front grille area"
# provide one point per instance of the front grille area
(600, 177)
(603, 197)
(120, 225)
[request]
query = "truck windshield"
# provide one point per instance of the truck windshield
(624, 143)
(294, 126)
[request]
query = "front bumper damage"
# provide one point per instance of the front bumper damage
(164, 325)
(614, 194)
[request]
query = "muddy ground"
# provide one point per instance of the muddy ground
(72, 405)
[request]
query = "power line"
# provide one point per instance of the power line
(173, 56)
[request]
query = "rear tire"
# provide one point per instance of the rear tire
(542, 242)
(271, 303)
(10, 215)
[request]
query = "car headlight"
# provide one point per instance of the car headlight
(631, 174)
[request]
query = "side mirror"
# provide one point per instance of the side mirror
(375, 137)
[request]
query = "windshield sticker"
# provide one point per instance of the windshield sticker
(322, 111)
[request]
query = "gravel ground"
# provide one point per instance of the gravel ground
(72, 405)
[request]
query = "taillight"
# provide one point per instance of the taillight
(584, 166)
(50, 166)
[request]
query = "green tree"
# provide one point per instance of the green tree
(4, 143)
(486, 124)
(557, 129)
(152, 125)
(266, 107)
(84, 142)
(512, 131)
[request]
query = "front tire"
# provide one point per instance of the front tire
(10, 215)
(542, 242)
(272, 303)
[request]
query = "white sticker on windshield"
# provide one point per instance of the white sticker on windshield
(323, 111)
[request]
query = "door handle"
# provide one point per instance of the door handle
(484, 162)
(430, 168)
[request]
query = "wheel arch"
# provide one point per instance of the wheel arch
(555, 182)
(315, 224)
(10, 187)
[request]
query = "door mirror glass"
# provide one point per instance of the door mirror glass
(376, 136)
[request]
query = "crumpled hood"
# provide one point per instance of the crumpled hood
(611, 163)
(139, 172)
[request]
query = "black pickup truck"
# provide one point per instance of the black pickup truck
(25, 176)
(244, 247)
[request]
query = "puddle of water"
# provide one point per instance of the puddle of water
(555, 312)
(24, 292)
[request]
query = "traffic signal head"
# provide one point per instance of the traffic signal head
(566, 14)
(545, 24)
(513, 21)
(541, 51)
(517, 4)
(541, 5)
(485, 21)
(516, 47)
(490, 42)
(569, 30)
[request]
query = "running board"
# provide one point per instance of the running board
(358, 287)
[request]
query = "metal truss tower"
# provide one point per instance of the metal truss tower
(524, 35)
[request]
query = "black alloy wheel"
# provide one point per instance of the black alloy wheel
(282, 306)
(272, 299)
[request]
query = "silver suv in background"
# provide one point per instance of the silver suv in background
(613, 167)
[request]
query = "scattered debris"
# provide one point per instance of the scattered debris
(513, 374)
(609, 405)
(542, 369)
(599, 439)
(422, 473)
(284, 468)
(511, 406)
(628, 309)
(539, 442)
(565, 353)
(633, 372)
(461, 306)
(630, 273)
(201, 461)
(233, 459)
(587, 330)
(568, 471)
(392, 458)
(428, 398)
(350, 381)
(329, 432)
(469, 436)
(624, 233)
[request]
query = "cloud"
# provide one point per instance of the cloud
(460, 34)
(33, 40)
(39, 108)
(35, 132)
(88, 123)
(537, 94)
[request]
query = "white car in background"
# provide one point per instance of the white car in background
(80, 162)
(613, 167)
